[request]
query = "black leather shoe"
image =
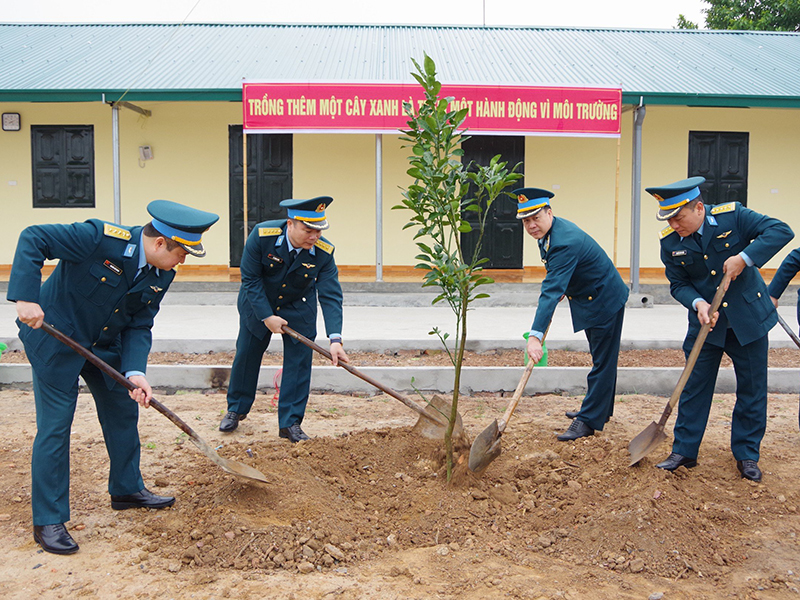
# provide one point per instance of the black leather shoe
(54, 538)
(571, 414)
(675, 460)
(293, 433)
(749, 469)
(143, 499)
(231, 421)
(577, 429)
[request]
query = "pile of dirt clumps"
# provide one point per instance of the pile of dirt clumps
(353, 498)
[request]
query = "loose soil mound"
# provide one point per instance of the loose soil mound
(369, 510)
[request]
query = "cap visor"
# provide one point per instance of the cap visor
(529, 213)
(316, 224)
(663, 215)
(197, 250)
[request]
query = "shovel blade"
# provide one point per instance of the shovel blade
(231, 466)
(434, 428)
(647, 441)
(485, 448)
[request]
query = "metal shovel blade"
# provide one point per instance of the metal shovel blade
(434, 425)
(231, 466)
(647, 441)
(485, 448)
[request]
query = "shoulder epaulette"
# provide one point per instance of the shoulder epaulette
(324, 246)
(665, 232)
(723, 208)
(116, 232)
(268, 231)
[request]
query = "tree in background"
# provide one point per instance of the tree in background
(759, 15)
(443, 192)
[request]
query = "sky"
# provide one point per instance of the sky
(640, 14)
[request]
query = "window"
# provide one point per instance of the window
(63, 166)
(722, 158)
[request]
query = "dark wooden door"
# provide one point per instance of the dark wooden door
(63, 166)
(502, 241)
(269, 180)
(722, 158)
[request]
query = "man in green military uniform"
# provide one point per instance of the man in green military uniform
(701, 244)
(104, 293)
(286, 266)
(578, 268)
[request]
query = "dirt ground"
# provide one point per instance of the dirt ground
(363, 510)
(778, 358)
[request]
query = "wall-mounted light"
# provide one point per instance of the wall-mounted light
(11, 122)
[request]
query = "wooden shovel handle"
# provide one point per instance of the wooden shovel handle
(523, 381)
(314, 346)
(695, 352)
(788, 330)
(118, 377)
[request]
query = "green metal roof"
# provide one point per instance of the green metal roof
(59, 63)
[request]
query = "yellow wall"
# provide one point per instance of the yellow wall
(190, 145)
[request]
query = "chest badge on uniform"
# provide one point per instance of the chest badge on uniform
(112, 267)
(308, 265)
(155, 288)
(277, 259)
(724, 235)
(679, 253)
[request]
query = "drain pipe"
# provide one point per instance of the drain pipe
(378, 207)
(636, 193)
(115, 155)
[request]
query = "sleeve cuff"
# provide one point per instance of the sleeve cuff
(130, 374)
(748, 261)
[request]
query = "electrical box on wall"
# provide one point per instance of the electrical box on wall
(145, 153)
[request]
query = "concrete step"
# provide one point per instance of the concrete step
(545, 380)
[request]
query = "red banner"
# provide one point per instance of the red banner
(378, 108)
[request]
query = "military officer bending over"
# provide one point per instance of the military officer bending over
(286, 264)
(700, 245)
(578, 268)
(104, 293)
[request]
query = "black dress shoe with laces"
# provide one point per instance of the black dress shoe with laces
(749, 469)
(577, 429)
(293, 433)
(231, 421)
(571, 414)
(676, 460)
(142, 499)
(54, 538)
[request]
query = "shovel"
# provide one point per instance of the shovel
(792, 335)
(231, 466)
(653, 434)
(432, 421)
(486, 446)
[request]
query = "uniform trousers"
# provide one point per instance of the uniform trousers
(295, 380)
(601, 383)
(749, 421)
(55, 409)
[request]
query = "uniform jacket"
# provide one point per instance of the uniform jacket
(785, 273)
(269, 287)
(696, 271)
(578, 267)
(90, 296)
